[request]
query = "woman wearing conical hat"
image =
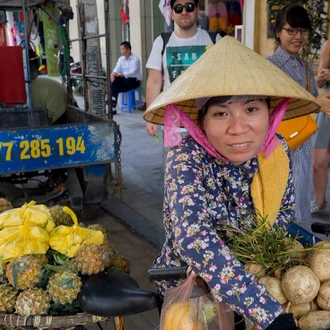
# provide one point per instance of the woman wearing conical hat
(230, 168)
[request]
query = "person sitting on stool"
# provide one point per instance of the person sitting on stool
(126, 75)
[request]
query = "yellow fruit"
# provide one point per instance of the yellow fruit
(93, 259)
(64, 286)
(33, 301)
(8, 296)
(120, 263)
(5, 205)
(102, 229)
(59, 216)
(25, 271)
(69, 240)
(180, 317)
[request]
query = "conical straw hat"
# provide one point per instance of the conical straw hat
(231, 68)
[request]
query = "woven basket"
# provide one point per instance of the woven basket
(45, 321)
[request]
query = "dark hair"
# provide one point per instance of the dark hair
(295, 15)
(195, 1)
(34, 61)
(126, 44)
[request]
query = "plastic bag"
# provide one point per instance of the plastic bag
(180, 312)
(22, 240)
(69, 240)
(29, 214)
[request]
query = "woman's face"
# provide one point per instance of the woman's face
(292, 44)
(237, 130)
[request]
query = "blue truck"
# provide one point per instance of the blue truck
(33, 154)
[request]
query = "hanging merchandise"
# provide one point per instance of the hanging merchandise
(165, 8)
(17, 30)
(3, 41)
(234, 15)
(51, 39)
(217, 13)
(124, 12)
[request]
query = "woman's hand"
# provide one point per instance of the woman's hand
(323, 74)
(324, 100)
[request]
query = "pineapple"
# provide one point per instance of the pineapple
(120, 263)
(64, 286)
(33, 301)
(59, 216)
(3, 278)
(8, 296)
(102, 229)
(5, 204)
(25, 272)
(93, 259)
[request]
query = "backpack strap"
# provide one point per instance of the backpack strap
(166, 37)
(213, 35)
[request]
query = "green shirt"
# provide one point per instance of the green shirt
(51, 95)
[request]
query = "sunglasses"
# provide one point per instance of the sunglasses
(189, 7)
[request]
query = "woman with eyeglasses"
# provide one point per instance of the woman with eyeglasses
(292, 30)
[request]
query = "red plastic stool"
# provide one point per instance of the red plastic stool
(129, 101)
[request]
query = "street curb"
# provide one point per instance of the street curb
(137, 223)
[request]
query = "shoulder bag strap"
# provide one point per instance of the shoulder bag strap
(308, 85)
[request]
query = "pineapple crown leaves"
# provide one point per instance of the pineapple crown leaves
(17, 267)
(55, 257)
(67, 283)
(57, 261)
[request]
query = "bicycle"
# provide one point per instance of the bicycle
(116, 295)
(127, 298)
(321, 228)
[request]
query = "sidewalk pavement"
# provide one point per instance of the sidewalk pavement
(142, 179)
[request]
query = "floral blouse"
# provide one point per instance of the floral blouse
(201, 194)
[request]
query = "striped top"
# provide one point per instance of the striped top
(302, 157)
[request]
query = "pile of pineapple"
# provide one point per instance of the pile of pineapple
(45, 256)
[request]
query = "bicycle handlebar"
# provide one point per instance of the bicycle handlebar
(167, 273)
(321, 228)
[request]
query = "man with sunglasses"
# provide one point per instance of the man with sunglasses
(185, 45)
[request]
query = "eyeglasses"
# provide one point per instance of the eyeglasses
(293, 32)
(189, 7)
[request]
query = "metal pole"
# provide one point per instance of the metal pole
(152, 19)
(108, 56)
(27, 58)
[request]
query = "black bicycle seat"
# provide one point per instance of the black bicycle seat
(115, 294)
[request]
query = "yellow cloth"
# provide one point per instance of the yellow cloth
(216, 24)
(269, 183)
